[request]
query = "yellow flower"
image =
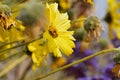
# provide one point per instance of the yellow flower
(6, 19)
(39, 52)
(58, 62)
(116, 70)
(112, 17)
(78, 23)
(90, 1)
(38, 47)
(37, 60)
(11, 35)
(10, 28)
(65, 4)
(58, 38)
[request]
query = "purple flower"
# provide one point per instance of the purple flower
(116, 42)
(87, 52)
(93, 62)
(75, 71)
(100, 77)
(85, 78)
(77, 49)
(107, 71)
(95, 77)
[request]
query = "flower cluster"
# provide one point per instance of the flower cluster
(56, 37)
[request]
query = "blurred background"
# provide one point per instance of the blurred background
(31, 14)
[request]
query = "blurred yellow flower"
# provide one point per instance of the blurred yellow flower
(79, 22)
(90, 1)
(58, 38)
(38, 52)
(36, 47)
(10, 28)
(116, 70)
(65, 4)
(113, 17)
(6, 19)
(11, 35)
(58, 63)
(37, 60)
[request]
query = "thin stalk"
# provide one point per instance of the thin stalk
(78, 20)
(12, 65)
(12, 55)
(1, 51)
(77, 62)
(9, 43)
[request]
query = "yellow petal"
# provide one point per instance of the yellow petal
(31, 47)
(57, 52)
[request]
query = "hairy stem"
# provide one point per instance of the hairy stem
(77, 62)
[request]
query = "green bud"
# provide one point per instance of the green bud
(80, 34)
(116, 57)
(103, 43)
(91, 23)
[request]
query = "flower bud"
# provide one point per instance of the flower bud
(116, 57)
(80, 34)
(93, 27)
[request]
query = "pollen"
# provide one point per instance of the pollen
(53, 32)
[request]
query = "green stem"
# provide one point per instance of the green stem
(12, 55)
(12, 65)
(76, 62)
(1, 51)
(78, 20)
(8, 43)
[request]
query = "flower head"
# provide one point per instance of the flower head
(112, 18)
(8, 31)
(93, 27)
(116, 70)
(38, 52)
(5, 17)
(58, 38)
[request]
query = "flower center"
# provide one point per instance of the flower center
(108, 18)
(53, 32)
